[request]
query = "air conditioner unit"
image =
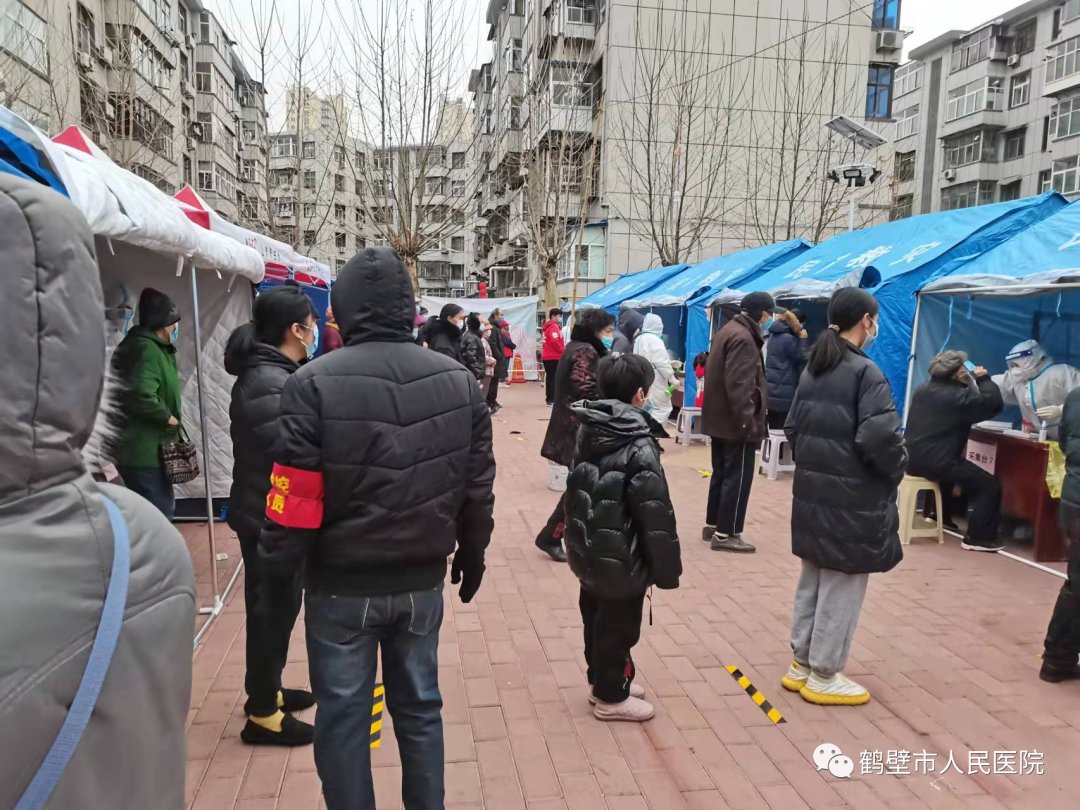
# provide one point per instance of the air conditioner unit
(890, 40)
(185, 88)
(1014, 60)
(102, 139)
(172, 36)
(191, 42)
(110, 110)
(190, 143)
(84, 61)
(949, 174)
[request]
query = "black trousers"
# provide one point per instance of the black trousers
(493, 392)
(776, 419)
(549, 379)
(729, 489)
(272, 607)
(1062, 647)
(612, 628)
(551, 534)
(982, 491)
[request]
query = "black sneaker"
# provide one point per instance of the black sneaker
(707, 533)
(733, 543)
(554, 551)
(296, 700)
(990, 545)
(1053, 675)
(293, 733)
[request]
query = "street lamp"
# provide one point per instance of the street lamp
(854, 175)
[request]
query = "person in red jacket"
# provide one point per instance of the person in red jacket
(331, 335)
(554, 346)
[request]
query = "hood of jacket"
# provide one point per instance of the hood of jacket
(53, 310)
(373, 298)
(608, 425)
(445, 329)
(238, 361)
(629, 322)
(781, 327)
(653, 325)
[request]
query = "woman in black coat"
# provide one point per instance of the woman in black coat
(472, 348)
(785, 359)
(444, 333)
(850, 458)
(575, 380)
(262, 354)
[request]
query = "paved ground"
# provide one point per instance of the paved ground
(948, 645)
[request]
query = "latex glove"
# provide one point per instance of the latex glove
(1051, 413)
(468, 573)
(173, 421)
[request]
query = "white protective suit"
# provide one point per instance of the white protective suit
(650, 345)
(1034, 381)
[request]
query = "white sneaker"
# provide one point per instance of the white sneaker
(631, 710)
(636, 691)
(796, 677)
(839, 690)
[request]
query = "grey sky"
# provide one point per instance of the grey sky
(929, 18)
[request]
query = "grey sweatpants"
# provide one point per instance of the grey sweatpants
(827, 607)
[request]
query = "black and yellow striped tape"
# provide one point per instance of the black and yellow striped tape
(376, 715)
(770, 711)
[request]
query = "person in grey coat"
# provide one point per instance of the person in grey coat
(56, 542)
(629, 324)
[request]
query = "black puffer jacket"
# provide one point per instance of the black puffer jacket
(785, 358)
(575, 381)
(254, 413)
(444, 338)
(385, 448)
(850, 458)
(940, 419)
(1069, 439)
(472, 354)
(620, 524)
(629, 324)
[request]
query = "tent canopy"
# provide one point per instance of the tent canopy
(629, 286)
(520, 313)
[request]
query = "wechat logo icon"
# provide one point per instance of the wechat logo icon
(829, 757)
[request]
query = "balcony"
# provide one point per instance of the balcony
(575, 20)
(1062, 67)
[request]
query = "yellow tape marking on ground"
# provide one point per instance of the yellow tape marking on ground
(756, 696)
(376, 715)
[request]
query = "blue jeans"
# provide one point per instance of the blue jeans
(150, 483)
(344, 634)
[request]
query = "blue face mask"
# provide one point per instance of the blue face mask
(174, 335)
(314, 346)
(871, 338)
(765, 327)
(608, 341)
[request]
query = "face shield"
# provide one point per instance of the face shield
(1026, 359)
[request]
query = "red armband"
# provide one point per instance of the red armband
(296, 498)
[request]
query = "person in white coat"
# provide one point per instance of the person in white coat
(1037, 384)
(650, 345)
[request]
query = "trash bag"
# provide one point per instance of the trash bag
(1055, 469)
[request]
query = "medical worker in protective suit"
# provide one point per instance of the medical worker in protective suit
(1037, 384)
(650, 345)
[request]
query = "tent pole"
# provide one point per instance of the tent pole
(911, 356)
(215, 586)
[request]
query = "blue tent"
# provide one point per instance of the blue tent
(22, 159)
(611, 296)
(1027, 287)
(895, 259)
(683, 300)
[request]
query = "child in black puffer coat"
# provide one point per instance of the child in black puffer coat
(621, 537)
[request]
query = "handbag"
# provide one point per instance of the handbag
(179, 460)
(97, 666)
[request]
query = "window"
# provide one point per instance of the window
(206, 176)
(309, 179)
(567, 87)
(1070, 11)
(380, 161)
(204, 27)
(879, 91)
(984, 94)
(908, 78)
(361, 242)
(967, 195)
(250, 133)
(1014, 143)
(182, 19)
(581, 11)
(514, 118)
(1065, 175)
(282, 177)
(359, 214)
(1065, 117)
(516, 8)
(886, 14)
(905, 166)
(457, 272)
(187, 170)
(457, 188)
(283, 146)
(309, 150)
(968, 148)
(85, 31)
(1024, 37)
(340, 240)
(359, 189)
(247, 173)
(1044, 181)
(907, 122)
(286, 209)
(902, 207)
(1062, 60)
(326, 113)
(433, 185)
(512, 55)
(1020, 92)
(1009, 191)
(1055, 25)
(458, 218)
(339, 182)
(309, 210)
(339, 157)
(457, 243)
(339, 212)
(457, 160)
(359, 161)
(204, 79)
(206, 127)
(972, 49)
(309, 238)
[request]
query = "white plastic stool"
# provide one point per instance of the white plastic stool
(908, 499)
(776, 455)
(684, 427)
(557, 475)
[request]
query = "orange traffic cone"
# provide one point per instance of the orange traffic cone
(518, 373)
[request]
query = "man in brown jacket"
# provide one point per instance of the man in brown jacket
(733, 414)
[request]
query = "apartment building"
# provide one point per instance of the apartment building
(158, 84)
(598, 69)
(990, 114)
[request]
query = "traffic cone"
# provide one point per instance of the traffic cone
(518, 373)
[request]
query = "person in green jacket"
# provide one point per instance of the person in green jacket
(148, 413)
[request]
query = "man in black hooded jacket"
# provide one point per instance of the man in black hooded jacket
(384, 465)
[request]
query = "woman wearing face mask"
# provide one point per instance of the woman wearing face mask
(282, 334)
(850, 459)
(444, 333)
(575, 380)
(148, 413)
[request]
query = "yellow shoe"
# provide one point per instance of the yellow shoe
(839, 690)
(796, 676)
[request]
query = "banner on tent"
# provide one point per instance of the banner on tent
(520, 313)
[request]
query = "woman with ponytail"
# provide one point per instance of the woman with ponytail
(262, 354)
(850, 458)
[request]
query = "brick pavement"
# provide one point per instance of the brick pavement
(948, 645)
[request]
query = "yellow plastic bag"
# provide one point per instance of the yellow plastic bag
(1055, 469)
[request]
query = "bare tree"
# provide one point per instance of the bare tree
(672, 136)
